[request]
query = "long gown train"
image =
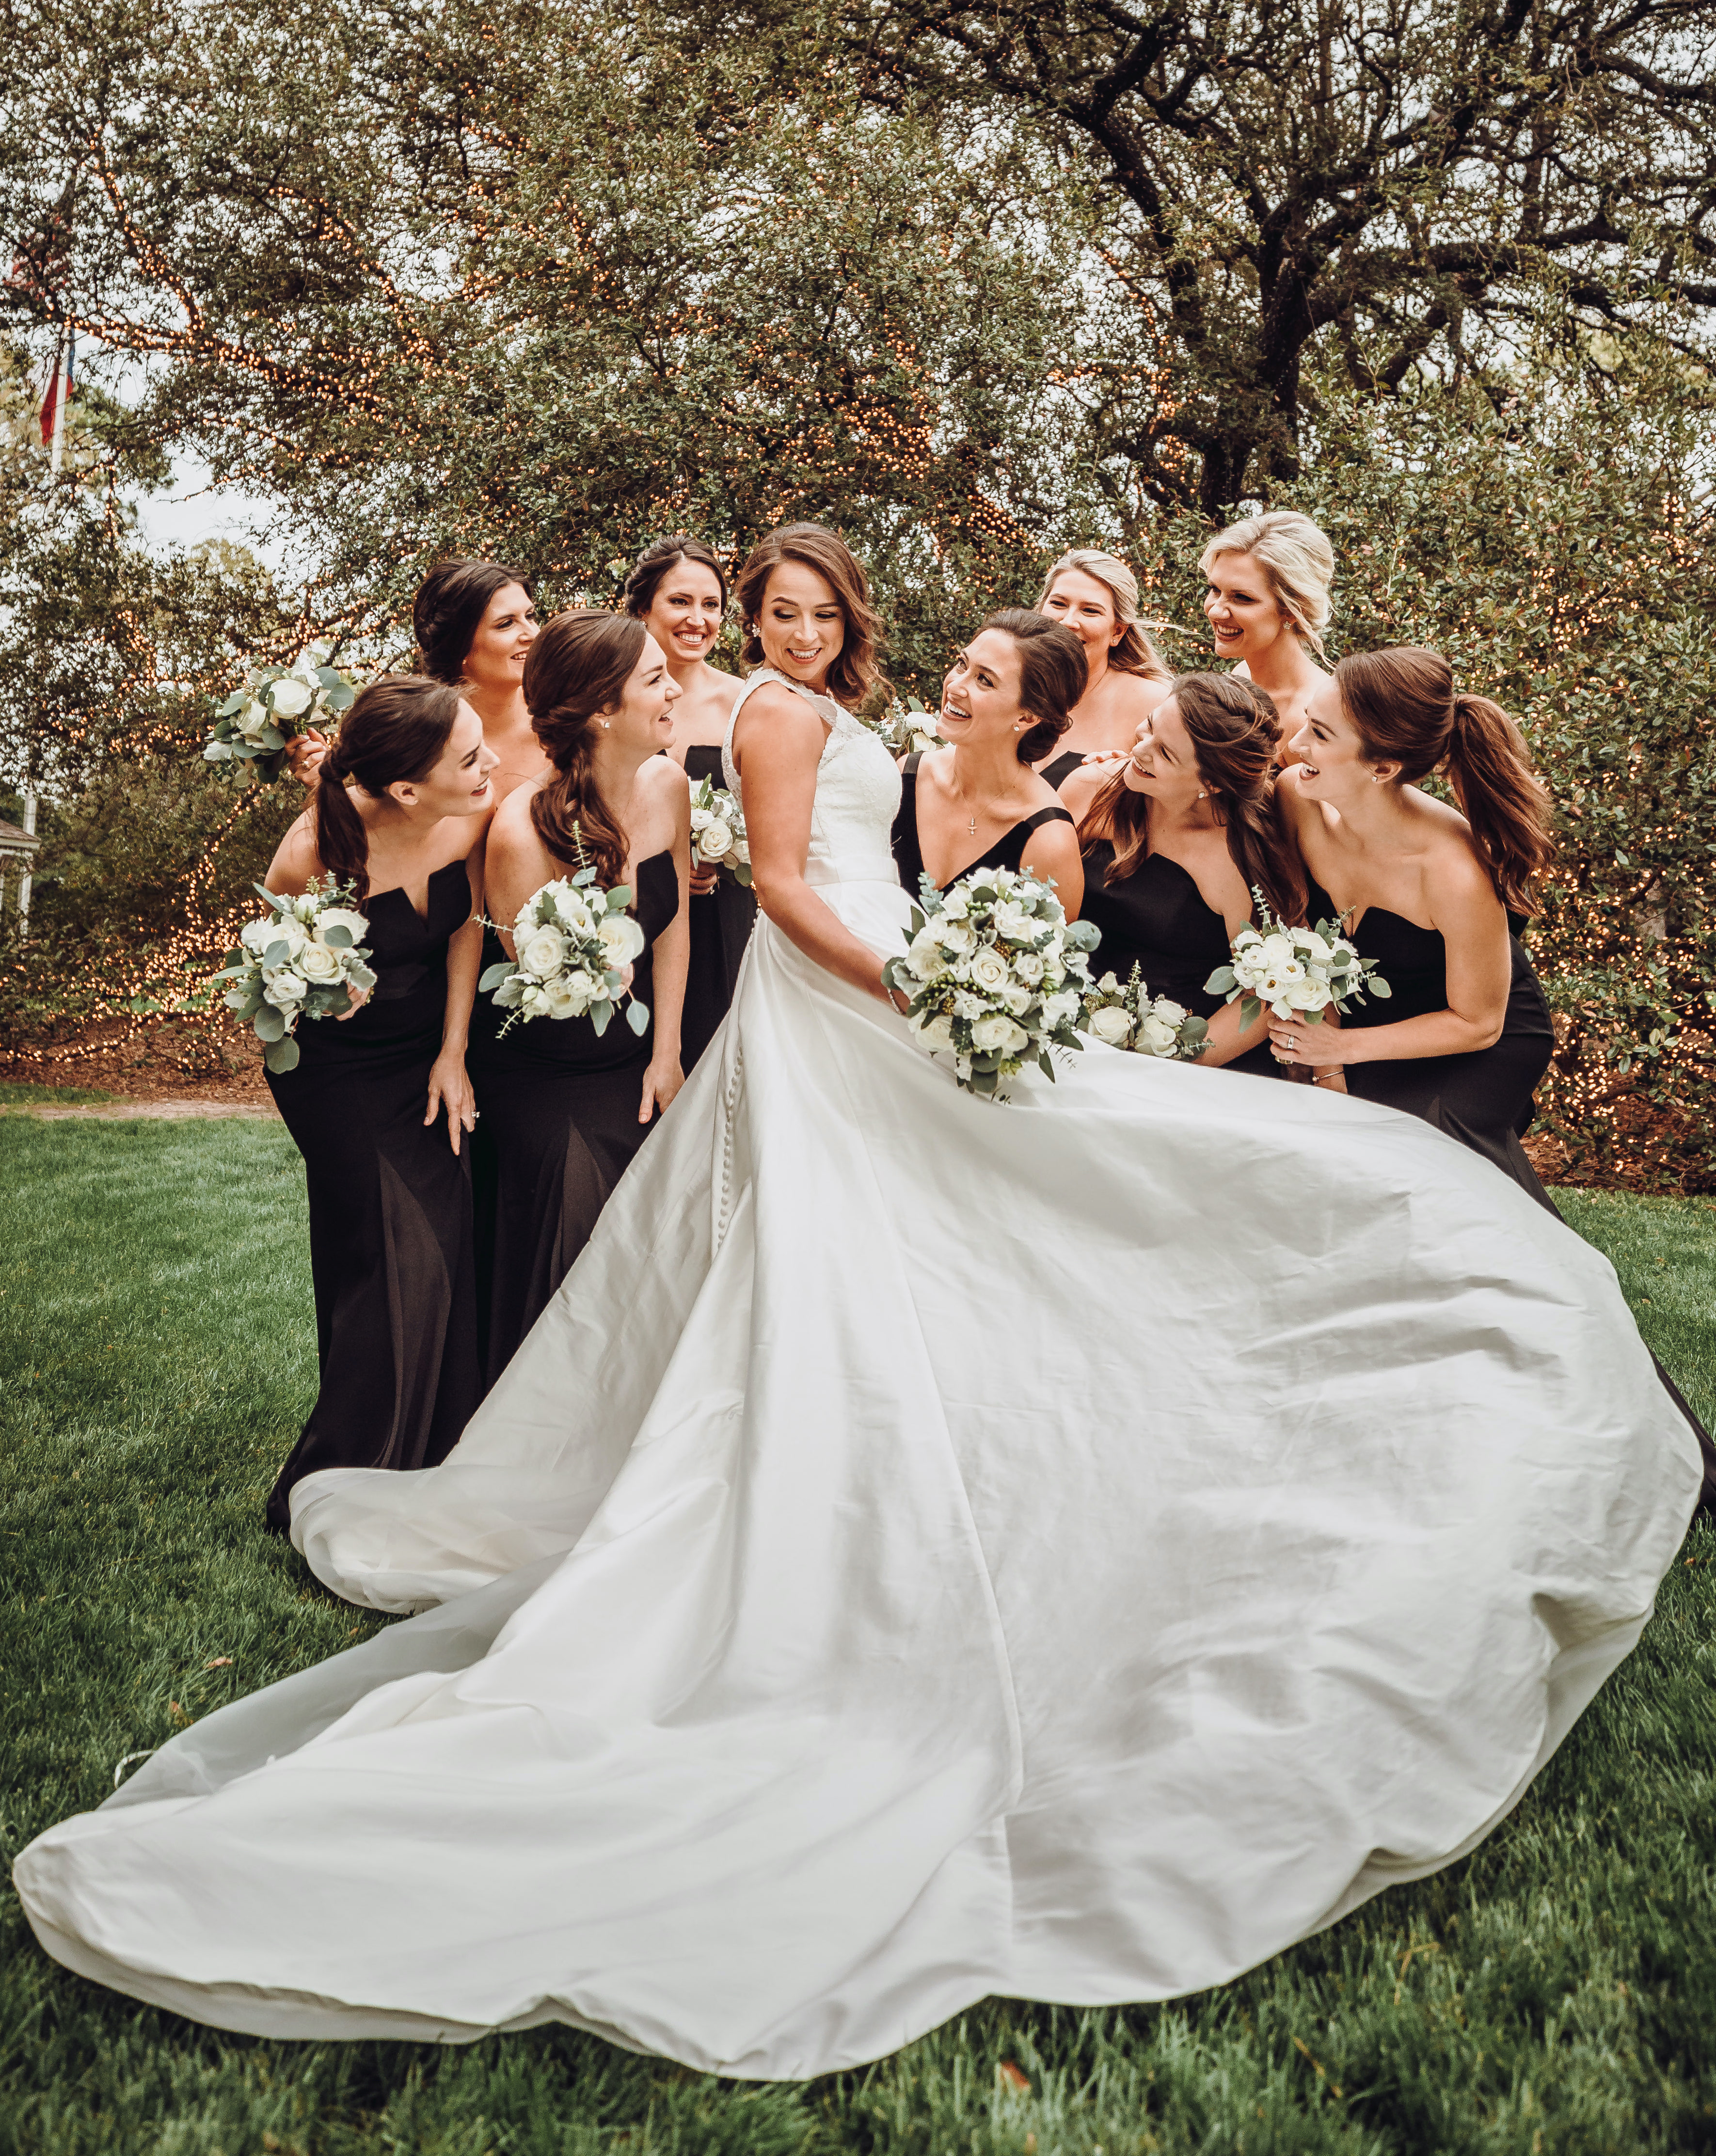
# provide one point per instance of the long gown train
(1070, 1549)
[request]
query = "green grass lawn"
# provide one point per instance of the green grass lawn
(1555, 1993)
(15, 1094)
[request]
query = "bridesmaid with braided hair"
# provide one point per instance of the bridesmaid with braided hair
(399, 813)
(564, 1108)
(1175, 839)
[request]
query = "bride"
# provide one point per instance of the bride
(1070, 1549)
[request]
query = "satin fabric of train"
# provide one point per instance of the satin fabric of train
(1070, 1549)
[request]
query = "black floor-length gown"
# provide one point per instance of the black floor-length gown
(1007, 852)
(557, 1127)
(721, 927)
(1157, 920)
(1484, 1098)
(391, 1246)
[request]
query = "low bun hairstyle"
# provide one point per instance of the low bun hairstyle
(1404, 707)
(657, 562)
(1234, 728)
(855, 672)
(576, 669)
(397, 728)
(1053, 675)
(448, 610)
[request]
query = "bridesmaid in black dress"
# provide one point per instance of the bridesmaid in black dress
(399, 812)
(564, 1109)
(678, 590)
(1438, 898)
(977, 803)
(1175, 838)
(1095, 597)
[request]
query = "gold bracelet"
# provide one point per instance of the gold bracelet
(1339, 1072)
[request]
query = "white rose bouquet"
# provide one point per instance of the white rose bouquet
(1294, 972)
(303, 959)
(718, 838)
(1128, 1016)
(997, 976)
(573, 941)
(276, 704)
(905, 727)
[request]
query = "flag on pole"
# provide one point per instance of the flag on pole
(59, 390)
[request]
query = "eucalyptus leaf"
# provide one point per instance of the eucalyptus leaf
(494, 975)
(637, 1017)
(599, 1015)
(281, 1054)
(270, 1024)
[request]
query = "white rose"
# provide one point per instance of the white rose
(714, 841)
(621, 939)
(1029, 966)
(291, 695)
(741, 852)
(955, 905)
(1015, 924)
(342, 916)
(988, 969)
(925, 956)
(1109, 985)
(257, 935)
(320, 964)
(1276, 951)
(1307, 995)
(284, 989)
(1110, 1024)
(533, 1000)
(541, 951)
(253, 719)
(581, 984)
(935, 1033)
(1312, 945)
(991, 1033)
(956, 936)
(1173, 1012)
(1017, 998)
(1057, 1009)
(1157, 1036)
(701, 818)
(563, 1001)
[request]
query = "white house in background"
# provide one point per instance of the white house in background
(18, 853)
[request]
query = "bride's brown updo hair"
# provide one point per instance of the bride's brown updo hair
(1404, 709)
(1234, 728)
(397, 728)
(576, 669)
(1053, 673)
(855, 672)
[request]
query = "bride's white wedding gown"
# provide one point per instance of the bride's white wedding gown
(1070, 1549)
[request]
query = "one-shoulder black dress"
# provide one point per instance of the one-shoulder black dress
(391, 1251)
(1008, 851)
(1483, 1098)
(721, 928)
(1156, 919)
(556, 1127)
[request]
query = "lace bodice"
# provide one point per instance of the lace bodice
(857, 793)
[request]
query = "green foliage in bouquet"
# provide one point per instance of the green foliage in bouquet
(301, 960)
(255, 723)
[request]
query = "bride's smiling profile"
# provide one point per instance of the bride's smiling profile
(926, 1548)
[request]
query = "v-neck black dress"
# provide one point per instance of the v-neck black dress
(1157, 920)
(1061, 769)
(721, 928)
(1007, 852)
(391, 1249)
(557, 1126)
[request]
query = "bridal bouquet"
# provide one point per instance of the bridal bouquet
(903, 728)
(276, 704)
(718, 838)
(1131, 1017)
(997, 976)
(1294, 972)
(573, 941)
(302, 959)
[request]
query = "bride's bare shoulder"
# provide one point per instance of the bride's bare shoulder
(775, 723)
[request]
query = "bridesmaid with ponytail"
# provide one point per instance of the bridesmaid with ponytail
(399, 815)
(563, 1108)
(1175, 838)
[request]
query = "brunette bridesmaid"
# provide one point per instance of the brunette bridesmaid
(474, 624)
(1267, 605)
(677, 588)
(1175, 838)
(1096, 597)
(399, 815)
(564, 1108)
(1006, 700)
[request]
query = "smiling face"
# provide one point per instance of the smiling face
(1085, 605)
(507, 631)
(1331, 764)
(685, 615)
(980, 693)
(642, 721)
(801, 623)
(1244, 614)
(1163, 763)
(457, 784)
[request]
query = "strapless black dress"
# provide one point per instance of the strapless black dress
(391, 1250)
(557, 1126)
(1061, 769)
(1156, 919)
(1008, 851)
(721, 928)
(1483, 1098)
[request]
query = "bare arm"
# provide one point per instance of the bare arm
(1051, 853)
(516, 863)
(672, 960)
(448, 1085)
(294, 860)
(778, 745)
